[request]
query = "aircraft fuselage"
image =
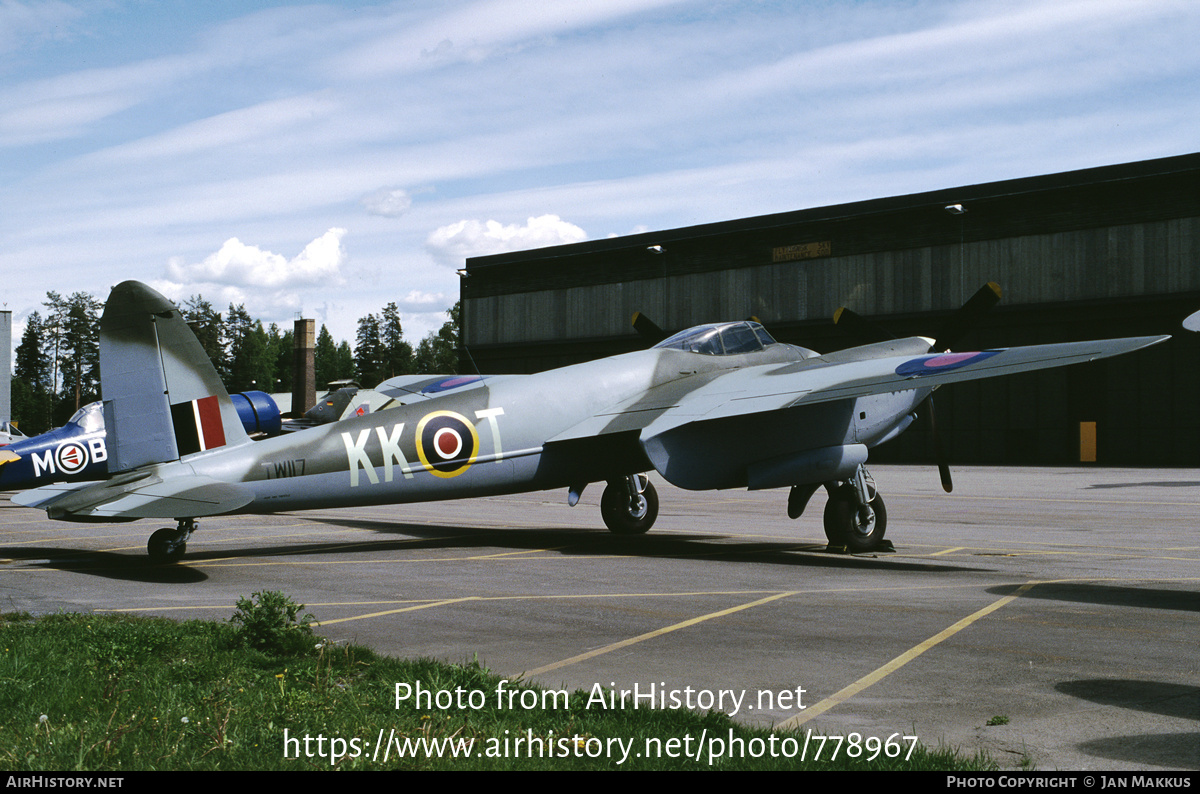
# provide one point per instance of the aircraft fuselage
(497, 434)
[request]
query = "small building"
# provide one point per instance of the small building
(1102, 252)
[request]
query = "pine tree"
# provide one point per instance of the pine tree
(368, 352)
(79, 353)
(344, 362)
(33, 379)
(325, 358)
(438, 353)
(249, 361)
(205, 322)
(397, 354)
(52, 339)
(281, 352)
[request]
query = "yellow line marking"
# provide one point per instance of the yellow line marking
(441, 601)
(947, 551)
(656, 633)
(895, 664)
(226, 562)
(502, 554)
(395, 611)
(688, 594)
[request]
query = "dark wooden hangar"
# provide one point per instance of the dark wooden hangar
(1102, 252)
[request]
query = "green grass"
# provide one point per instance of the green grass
(115, 693)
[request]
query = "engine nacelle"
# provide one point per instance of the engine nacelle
(258, 412)
(811, 466)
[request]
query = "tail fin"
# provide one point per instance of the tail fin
(163, 400)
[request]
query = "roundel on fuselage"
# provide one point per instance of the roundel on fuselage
(446, 443)
(71, 457)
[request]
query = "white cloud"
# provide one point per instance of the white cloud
(249, 128)
(240, 265)
(388, 202)
(451, 245)
(68, 105)
(641, 228)
(267, 305)
(475, 32)
(21, 23)
(416, 298)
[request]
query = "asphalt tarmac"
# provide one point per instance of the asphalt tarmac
(1049, 617)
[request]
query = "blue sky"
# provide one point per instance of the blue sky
(328, 158)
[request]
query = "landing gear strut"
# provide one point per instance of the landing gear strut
(629, 505)
(855, 516)
(169, 545)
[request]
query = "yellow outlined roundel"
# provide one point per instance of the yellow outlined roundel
(451, 439)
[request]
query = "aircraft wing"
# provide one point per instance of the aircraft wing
(772, 387)
(755, 390)
(735, 431)
(141, 494)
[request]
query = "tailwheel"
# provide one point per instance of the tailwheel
(629, 506)
(856, 517)
(168, 545)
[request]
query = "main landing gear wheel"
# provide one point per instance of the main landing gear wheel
(168, 545)
(629, 506)
(855, 516)
(859, 530)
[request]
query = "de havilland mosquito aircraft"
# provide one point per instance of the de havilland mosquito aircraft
(715, 406)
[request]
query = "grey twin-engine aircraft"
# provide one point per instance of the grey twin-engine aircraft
(715, 406)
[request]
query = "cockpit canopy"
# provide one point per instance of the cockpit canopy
(720, 339)
(90, 417)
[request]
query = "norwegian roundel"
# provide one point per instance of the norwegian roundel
(71, 457)
(447, 443)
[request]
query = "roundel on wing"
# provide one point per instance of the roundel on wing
(71, 457)
(447, 443)
(943, 362)
(453, 382)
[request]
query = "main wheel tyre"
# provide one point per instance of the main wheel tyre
(167, 545)
(629, 516)
(845, 524)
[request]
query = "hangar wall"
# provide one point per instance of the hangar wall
(1103, 252)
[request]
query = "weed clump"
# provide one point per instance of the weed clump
(270, 621)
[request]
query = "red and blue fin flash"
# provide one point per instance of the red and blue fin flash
(198, 425)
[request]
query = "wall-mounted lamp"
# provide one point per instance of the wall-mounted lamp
(655, 249)
(955, 209)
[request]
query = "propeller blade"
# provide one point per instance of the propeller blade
(967, 316)
(939, 451)
(959, 323)
(859, 327)
(647, 329)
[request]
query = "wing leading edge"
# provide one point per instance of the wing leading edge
(838, 376)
